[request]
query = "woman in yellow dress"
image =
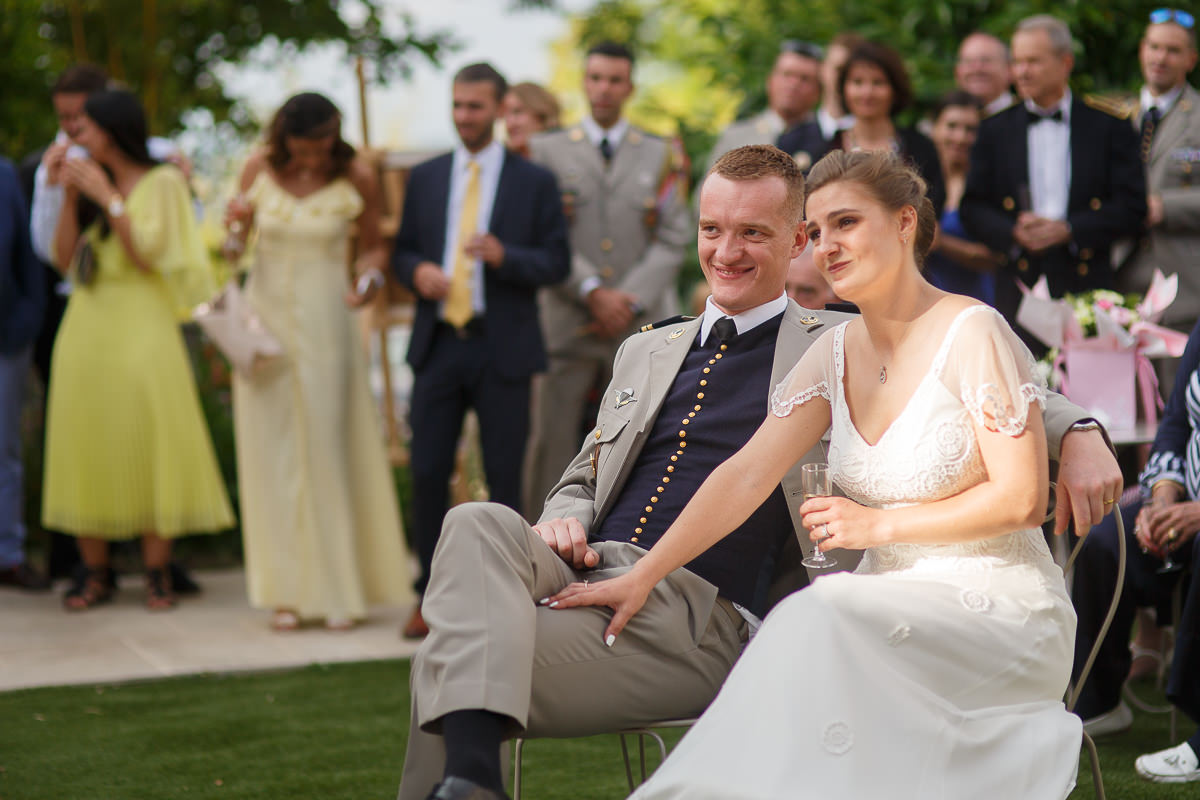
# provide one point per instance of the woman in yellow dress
(319, 515)
(127, 450)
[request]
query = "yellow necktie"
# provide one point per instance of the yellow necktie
(458, 309)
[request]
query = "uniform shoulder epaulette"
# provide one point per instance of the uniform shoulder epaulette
(1119, 107)
(662, 323)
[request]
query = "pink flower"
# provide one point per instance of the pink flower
(1105, 303)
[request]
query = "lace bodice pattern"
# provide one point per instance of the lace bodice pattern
(981, 373)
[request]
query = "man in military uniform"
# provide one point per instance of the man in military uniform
(793, 89)
(1167, 119)
(624, 196)
(1053, 181)
(498, 664)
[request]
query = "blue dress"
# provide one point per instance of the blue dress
(949, 276)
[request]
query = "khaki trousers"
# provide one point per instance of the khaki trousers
(492, 647)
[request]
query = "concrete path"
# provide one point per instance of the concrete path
(216, 631)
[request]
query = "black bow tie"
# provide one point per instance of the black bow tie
(1034, 117)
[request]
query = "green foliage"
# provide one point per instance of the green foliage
(172, 51)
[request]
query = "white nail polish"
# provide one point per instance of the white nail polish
(608, 640)
(554, 604)
(543, 601)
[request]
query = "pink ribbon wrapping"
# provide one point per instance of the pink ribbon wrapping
(1147, 381)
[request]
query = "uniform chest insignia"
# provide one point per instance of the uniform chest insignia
(576, 135)
(803, 159)
(675, 334)
(809, 319)
(624, 397)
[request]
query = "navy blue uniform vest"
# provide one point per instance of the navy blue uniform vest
(718, 400)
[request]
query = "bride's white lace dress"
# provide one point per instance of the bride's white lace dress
(932, 671)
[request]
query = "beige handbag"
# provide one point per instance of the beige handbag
(236, 330)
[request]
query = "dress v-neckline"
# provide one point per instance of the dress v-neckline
(935, 368)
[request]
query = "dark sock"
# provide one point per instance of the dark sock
(1195, 742)
(473, 746)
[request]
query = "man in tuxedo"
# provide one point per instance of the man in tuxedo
(482, 230)
(684, 396)
(984, 68)
(793, 89)
(1053, 180)
(1166, 117)
(625, 197)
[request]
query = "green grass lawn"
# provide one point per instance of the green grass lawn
(318, 732)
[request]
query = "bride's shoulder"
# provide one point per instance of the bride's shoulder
(965, 315)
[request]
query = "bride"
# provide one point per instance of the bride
(936, 669)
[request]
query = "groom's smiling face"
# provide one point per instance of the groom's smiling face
(746, 240)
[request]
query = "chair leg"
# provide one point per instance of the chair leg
(1094, 760)
(518, 747)
(628, 767)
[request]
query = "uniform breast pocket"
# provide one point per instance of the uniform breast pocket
(609, 425)
(1183, 163)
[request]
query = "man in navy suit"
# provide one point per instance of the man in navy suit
(482, 230)
(1054, 181)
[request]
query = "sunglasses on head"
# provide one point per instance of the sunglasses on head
(1181, 18)
(802, 48)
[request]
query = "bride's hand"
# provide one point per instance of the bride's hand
(847, 524)
(625, 595)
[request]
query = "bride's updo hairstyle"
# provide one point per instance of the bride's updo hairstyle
(890, 180)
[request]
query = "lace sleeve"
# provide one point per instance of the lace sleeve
(809, 379)
(993, 373)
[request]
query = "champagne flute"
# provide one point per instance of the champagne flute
(815, 482)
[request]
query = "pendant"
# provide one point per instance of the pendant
(883, 374)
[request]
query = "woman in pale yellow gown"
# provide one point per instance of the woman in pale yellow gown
(319, 515)
(127, 450)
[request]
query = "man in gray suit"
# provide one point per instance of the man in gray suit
(1167, 116)
(793, 90)
(624, 196)
(684, 396)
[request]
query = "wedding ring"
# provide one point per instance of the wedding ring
(1171, 534)
(825, 525)
(585, 583)
(1109, 502)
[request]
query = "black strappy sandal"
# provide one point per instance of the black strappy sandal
(93, 587)
(159, 595)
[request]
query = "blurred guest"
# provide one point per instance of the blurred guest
(958, 264)
(873, 86)
(127, 451)
(1167, 118)
(793, 89)
(482, 230)
(319, 515)
(805, 284)
(832, 116)
(22, 301)
(629, 227)
(1162, 525)
(1054, 180)
(44, 199)
(528, 109)
(984, 69)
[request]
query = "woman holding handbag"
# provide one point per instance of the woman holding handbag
(127, 450)
(319, 514)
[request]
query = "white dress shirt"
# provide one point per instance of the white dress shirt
(999, 104)
(596, 134)
(490, 160)
(830, 124)
(1049, 145)
(745, 321)
(1162, 102)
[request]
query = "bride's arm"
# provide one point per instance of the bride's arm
(725, 500)
(1012, 497)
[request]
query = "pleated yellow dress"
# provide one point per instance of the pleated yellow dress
(319, 514)
(127, 448)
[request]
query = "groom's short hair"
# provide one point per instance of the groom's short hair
(765, 161)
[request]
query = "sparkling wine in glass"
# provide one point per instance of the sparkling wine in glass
(815, 482)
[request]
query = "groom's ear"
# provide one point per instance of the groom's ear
(800, 241)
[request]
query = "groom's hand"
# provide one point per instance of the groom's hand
(568, 539)
(1089, 481)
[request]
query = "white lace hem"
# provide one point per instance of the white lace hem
(781, 406)
(988, 406)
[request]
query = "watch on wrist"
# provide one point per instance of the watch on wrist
(115, 207)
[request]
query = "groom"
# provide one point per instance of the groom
(684, 396)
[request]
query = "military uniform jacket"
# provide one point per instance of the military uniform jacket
(647, 364)
(623, 230)
(1106, 200)
(1173, 173)
(763, 128)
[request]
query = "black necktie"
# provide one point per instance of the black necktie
(725, 329)
(1149, 122)
(1034, 117)
(605, 150)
